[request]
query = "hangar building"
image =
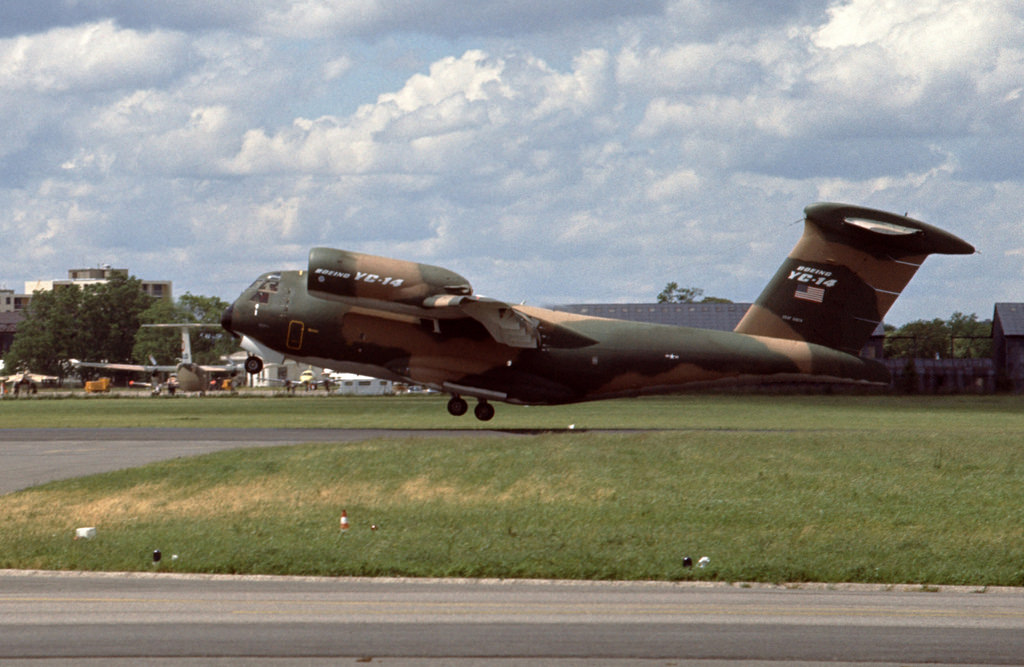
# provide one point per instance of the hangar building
(1008, 344)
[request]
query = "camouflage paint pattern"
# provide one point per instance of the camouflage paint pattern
(422, 324)
(344, 275)
(844, 274)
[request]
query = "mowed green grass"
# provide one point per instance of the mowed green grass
(316, 410)
(769, 488)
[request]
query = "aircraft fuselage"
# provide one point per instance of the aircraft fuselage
(576, 358)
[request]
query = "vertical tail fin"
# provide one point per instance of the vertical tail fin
(844, 274)
(186, 346)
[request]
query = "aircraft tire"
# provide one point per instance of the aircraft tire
(253, 365)
(457, 406)
(484, 411)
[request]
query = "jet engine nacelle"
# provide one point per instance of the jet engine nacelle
(340, 274)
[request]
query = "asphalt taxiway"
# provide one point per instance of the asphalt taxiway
(56, 616)
(31, 456)
(155, 617)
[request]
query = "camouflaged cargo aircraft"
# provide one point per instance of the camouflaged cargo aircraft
(422, 324)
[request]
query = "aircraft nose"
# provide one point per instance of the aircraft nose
(225, 318)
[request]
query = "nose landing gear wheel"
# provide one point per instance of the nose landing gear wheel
(484, 411)
(253, 365)
(457, 406)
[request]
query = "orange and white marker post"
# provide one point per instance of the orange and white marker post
(344, 521)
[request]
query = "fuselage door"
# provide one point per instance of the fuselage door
(296, 329)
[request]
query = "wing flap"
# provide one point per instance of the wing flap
(137, 368)
(505, 324)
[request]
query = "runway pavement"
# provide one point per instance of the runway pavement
(31, 456)
(139, 617)
(71, 618)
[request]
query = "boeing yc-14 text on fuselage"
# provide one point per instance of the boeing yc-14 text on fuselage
(422, 324)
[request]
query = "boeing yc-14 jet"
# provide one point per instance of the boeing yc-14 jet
(422, 324)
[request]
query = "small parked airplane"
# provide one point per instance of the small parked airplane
(307, 380)
(422, 324)
(189, 376)
(25, 381)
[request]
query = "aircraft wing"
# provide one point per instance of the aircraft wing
(220, 369)
(293, 382)
(137, 368)
(148, 368)
(34, 377)
(505, 324)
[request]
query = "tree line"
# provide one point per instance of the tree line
(102, 322)
(959, 337)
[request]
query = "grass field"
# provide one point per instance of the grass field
(765, 412)
(925, 490)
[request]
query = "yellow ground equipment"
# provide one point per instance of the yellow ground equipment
(100, 386)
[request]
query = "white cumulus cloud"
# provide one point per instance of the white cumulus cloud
(550, 151)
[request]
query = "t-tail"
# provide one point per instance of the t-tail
(186, 347)
(844, 274)
(186, 341)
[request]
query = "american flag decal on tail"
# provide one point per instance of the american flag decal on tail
(808, 293)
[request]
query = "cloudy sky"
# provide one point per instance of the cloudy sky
(550, 151)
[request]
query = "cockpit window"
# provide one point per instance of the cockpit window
(265, 286)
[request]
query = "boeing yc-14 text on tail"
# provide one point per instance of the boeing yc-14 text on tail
(422, 324)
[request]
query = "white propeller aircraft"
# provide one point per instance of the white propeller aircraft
(190, 376)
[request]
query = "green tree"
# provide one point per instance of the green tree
(959, 337)
(158, 345)
(920, 339)
(109, 318)
(94, 323)
(673, 293)
(164, 344)
(48, 335)
(101, 322)
(971, 339)
(208, 344)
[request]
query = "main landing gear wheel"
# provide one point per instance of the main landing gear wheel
(253, 365)
(484, 411)
(457, 406)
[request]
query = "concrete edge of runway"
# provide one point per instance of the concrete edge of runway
(802, 586)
